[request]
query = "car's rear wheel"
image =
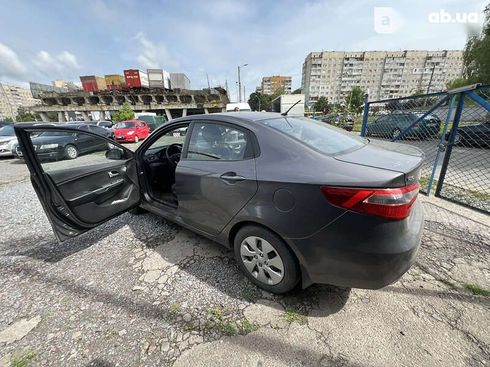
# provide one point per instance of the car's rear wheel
(266, 260)
(136, 139)
(71, 152)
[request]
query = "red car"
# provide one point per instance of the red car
(131, 131)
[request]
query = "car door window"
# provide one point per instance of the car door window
(60, 150)
(175, 136)
(211, 141)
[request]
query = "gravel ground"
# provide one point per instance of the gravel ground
(139, 291)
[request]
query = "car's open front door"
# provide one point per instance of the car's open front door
(79, 187)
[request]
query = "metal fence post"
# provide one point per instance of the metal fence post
(365, 116)
(443, 137)
(449, 149)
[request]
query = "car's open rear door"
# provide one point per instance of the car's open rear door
(80, 186)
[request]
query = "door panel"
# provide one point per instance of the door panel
(206, 200)
(216, 177)
(80, 193)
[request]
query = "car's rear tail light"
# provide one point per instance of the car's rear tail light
(387, 203)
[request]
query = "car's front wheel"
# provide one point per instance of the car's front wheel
(266, 260)
(71, 152)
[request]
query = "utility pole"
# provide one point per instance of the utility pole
(240, 83)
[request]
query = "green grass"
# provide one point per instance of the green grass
(175, 308)
(227, 328)
(477, 291)
(23, 359)
(292, 315)
(247, 327)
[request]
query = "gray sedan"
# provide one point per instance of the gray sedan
(298, 201)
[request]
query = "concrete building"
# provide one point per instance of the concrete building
(271, 84)
(172, 104)
(13, 97)
(383, 74)
(59, 83)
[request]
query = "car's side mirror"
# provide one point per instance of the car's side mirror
(115, 154)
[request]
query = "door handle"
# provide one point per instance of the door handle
(231, 177)
(113, 174)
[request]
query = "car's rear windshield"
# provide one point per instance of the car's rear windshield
(124, 125)
(317, 135)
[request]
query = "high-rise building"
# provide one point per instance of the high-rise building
(13, 97)
(271, 84)
(382, 74)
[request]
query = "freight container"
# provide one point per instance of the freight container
(115, 81)
(93, 83)
(179, 81)
(136, 78)
(158, 78)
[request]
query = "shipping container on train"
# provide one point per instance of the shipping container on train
(136, 78)
(158, 78)
(179, 81)
(93, 83)
(115, 82)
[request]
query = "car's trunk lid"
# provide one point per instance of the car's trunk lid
(402, 158)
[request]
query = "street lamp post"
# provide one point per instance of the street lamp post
(240, 83)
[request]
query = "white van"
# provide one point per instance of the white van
(230, 107)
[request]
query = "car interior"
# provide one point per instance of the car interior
(208, 142)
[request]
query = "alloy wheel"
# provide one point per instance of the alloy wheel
(71, 152)
(262, 260)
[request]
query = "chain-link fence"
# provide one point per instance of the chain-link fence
(452, 129)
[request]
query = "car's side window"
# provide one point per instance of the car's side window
(211, 141)
(175, 136)
(60, 150)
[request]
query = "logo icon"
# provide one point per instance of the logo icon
(386, 20)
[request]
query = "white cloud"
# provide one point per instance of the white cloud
(153, 55)
(59, 66)
(10, 64)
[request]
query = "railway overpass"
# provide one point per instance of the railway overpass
(172, 104)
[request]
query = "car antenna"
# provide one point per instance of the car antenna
(290, 108)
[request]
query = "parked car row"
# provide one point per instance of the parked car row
(392, 125)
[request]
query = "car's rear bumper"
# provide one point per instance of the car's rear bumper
(362, 252)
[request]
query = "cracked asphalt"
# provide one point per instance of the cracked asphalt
(140, 291)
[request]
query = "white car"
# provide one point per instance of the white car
(8, 140)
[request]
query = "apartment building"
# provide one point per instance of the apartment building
(382, 74)
(271, 84)
(13, 97)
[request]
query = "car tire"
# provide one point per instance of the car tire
(70, 152)
(136, 139)
(285, 270)
(395, 133)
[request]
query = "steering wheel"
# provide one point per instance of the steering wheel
(173, 152)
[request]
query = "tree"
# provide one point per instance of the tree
(125, 113)
(296, 91)
(322, 105)
(418, 92)
(456, 83)
(476, 56)
(8, 119)
(25, 115)
(355, 100)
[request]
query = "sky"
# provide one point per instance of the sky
(62, 39)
